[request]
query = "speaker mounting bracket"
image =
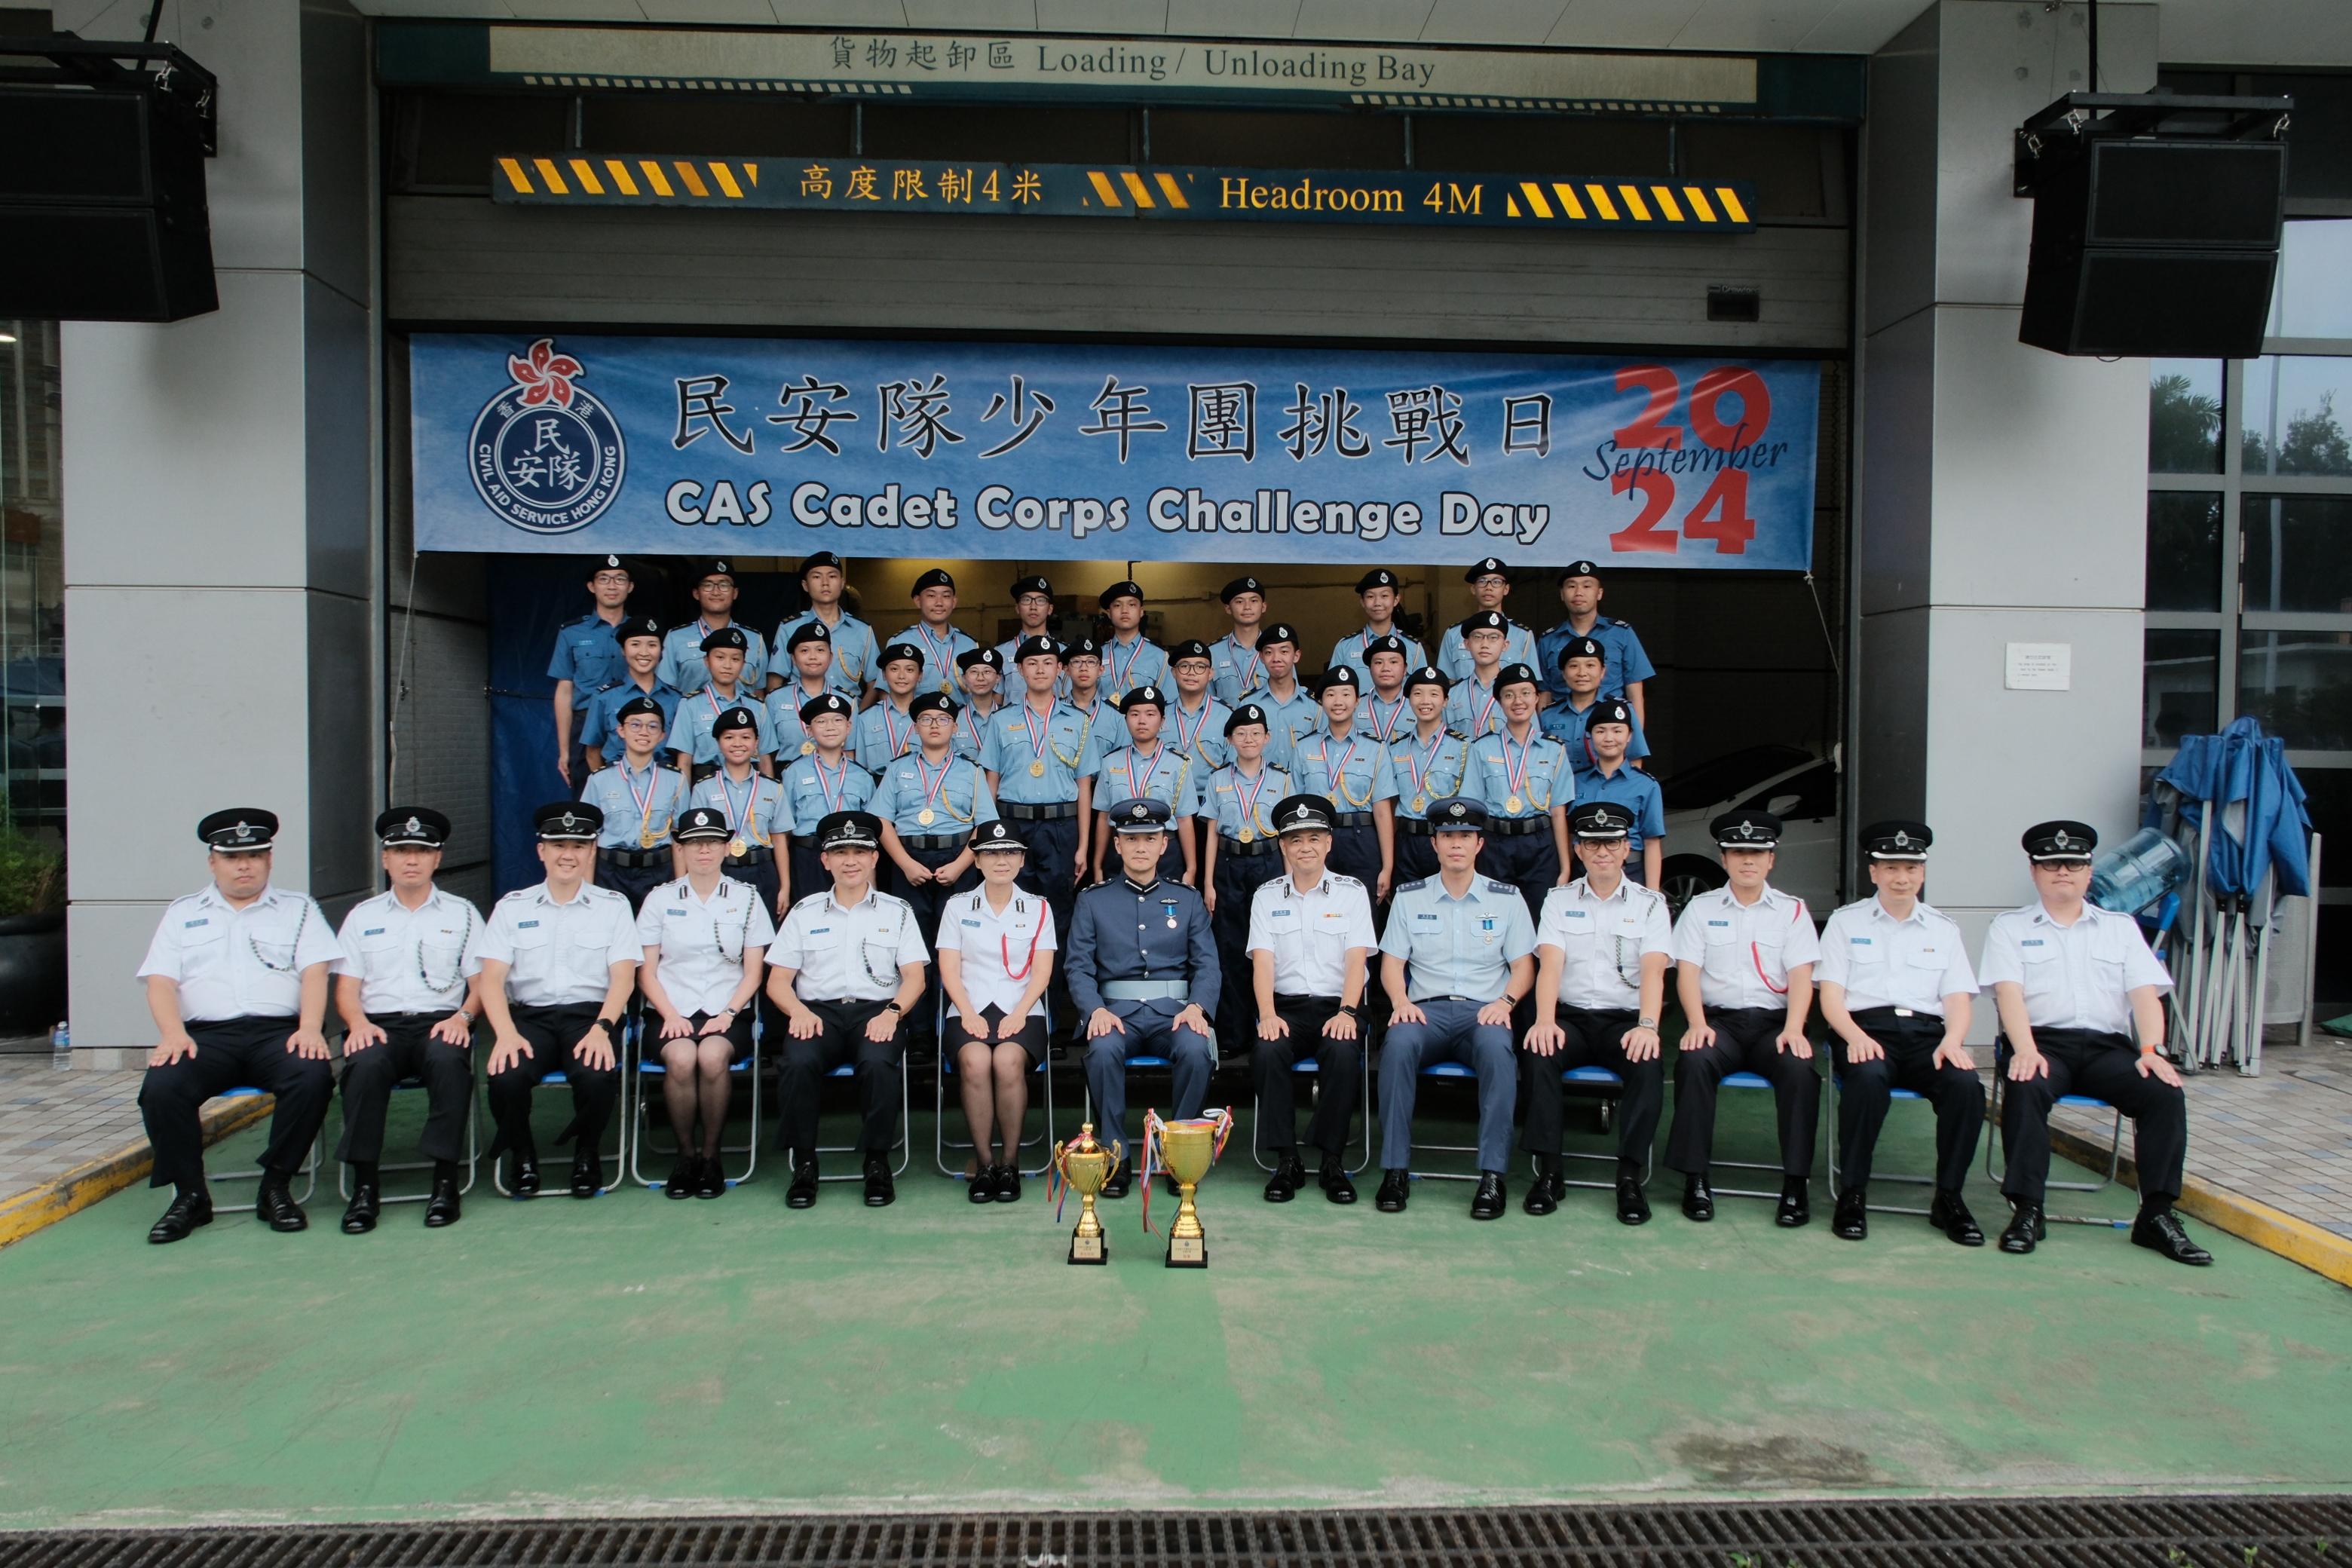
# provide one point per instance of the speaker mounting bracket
(65, 61)
(2062, 130)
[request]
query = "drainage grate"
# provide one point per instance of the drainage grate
(1996, 1532)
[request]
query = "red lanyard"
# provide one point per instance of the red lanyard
(1029, 958)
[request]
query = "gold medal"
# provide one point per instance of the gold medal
(924, 817)
(649, 838)
(1512, 805)
(808, 748)
(1421, 803)
(735, 848)
(1037, 770)
(1246, 833)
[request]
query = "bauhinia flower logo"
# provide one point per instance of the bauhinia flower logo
(545, 377)
(546, 454)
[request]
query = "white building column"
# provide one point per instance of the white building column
(2003, 491)
(220, 513)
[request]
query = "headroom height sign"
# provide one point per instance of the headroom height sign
(682, 446)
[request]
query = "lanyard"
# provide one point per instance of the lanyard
(832, 794)
(1249, 806)
(1190, 742)
(1338, 775)
(931, 788)
(1248, 661)
(1419, 761)
(738, 818)
(1005, 944)
(1040, 732)
(890, 734)
(1516, 781)
(1385, 731)
(942, 657)
(1481, 719)
(970, 725)
(1137, 791)
(1120, 672)
(644, 803)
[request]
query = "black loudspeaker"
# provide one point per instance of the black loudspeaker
(2155, 247)
(102, 215)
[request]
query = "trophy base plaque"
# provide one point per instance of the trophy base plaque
(1188, 1252)
(1090, 1249)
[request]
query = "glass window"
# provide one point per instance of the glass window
(2180, 687)
(2328, 796)
(2184, 550)
(2297, 555)
(2184, 416)
(2310, 301)
(32, 579)
(2291, 423)
(2319, 160)
(2299, 684)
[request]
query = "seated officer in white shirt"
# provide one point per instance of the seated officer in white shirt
(706, 939)
(1601, 946)
(2069, 979)
(846, 965)
(1895, 990)
(404, 990)
(237, 981)
(1744, 957)
(1310, 947)
(558, 963)
(996, 957)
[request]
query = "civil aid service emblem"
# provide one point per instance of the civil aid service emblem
(546, 453)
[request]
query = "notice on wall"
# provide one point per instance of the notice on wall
(2041, 666)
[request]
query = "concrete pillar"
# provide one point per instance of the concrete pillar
(2003, 490)
(220, 556)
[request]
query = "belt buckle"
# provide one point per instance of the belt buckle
(1905, 1013)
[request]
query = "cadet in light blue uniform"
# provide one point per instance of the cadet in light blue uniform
(1291, 711)
(1033, 607)
(639, 800)
(1147, 766)
(1240, 853)
(886, 731)
(587, 658)
(930, 801)
(1523, 779)
(1474, 706)
(1196, 719)
(1350, 769)
(1237, 670)
(855, 663)
(1638, 792)
(1379, 589)
(1081, 686)
(825, 781)
(1458, 958)
(788, 736)
(935, 635)
(690, 734)
(758, 820)
(1628, 665)
(1490, 581)
(1428, 762)
(1130, 658)
(600, 727)
(1584, 668)
(984, 680)
(1386, 714)
(1033, 752)
(682, 664)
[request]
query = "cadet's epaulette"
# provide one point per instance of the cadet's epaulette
(1493, 886)
(1409, 887)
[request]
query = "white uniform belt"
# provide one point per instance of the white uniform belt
(1146, 990)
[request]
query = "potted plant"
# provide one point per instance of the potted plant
(32, 932)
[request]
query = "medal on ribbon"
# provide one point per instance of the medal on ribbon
(1040, 733)
(1514, 779)
(931, 788)
(646, 836)
(738, 825)
(1249, 805)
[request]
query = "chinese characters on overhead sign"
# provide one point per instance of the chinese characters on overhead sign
(1139, 452)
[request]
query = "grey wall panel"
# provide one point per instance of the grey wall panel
(455, 259)
(441, 726)
(341, 761)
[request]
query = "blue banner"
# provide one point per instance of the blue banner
(1035, 451)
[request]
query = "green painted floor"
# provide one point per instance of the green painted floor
(633, 1355)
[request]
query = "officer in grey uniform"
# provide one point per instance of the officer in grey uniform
(1310, 948)
(1896, 991)
(559, 964)
(404, 990)
(2073, 982)
(237, 981)
(1456, 961)
(1144, 974)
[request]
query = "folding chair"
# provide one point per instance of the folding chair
(941, 1142)
(1756, 1080)
(2081, 1102)
(1592, 1077)
(1837, 1093)
(653, 1069)
(1086, 1098)
(618, 1161)
(1462, 1070)
(309, 1173)
(473, 1146)
(904, 1147)
(1313, 1068)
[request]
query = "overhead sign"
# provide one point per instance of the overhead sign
(861, 63)
(1166, 193)
(1122, 451)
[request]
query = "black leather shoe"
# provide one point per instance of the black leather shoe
(360, 1214)
(802, 1193)
(1116, 1184)
(522, 1175)
(710, 1181)
(1008, 1183)
(1491, 1198)
(443, 1207)
(1633, 1204)
(2163, 1232)
(188, 1211)
(1852, 1221)
(880, 1190)
(2025, 1228)
(274, 1206)
(980, 1187)
(587, 1176)
(1288, 1176)
(1396, 1187)
(684, 1177)
(1796, 1204)
(1950, 1215)
(1540, 1198)
(1698, 1199)
(1333, 1179)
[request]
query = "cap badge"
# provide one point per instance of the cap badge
(412, 826)
(1902, 840)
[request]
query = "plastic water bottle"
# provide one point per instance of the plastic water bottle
(62, 1045)
(2137, 872)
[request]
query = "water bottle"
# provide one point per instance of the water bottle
(62, 1045)
(2137, 872)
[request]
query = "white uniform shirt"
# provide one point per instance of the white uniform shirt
(1913, 963)
(2077, 976)
(848, 954)
(703, 940)
(988, 938)
(1603, 941)
(560, 954)
(1310, 932)
(1747, 950)
(411, 961)
(240, 963)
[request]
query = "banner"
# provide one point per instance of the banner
(732, 447)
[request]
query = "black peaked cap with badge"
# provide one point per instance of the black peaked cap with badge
(2061, 841)
(567, 821)
(1247, 713)
(412, 827)
(1457, 813)
(1598, 821)
(1142, 814)
(996, 833)
(1302, 814)
(1746, 829)
(701, 822)
(816, 707)
(849, 830)
(1897, 838)
(240, 829)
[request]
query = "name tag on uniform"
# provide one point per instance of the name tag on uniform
(1280, 914)
(1426, 918)
(820, 931)
(973, 924)
(1859, 941)
(379, 930)
(526, 925)
(1718, 923)
(1574, 914)
(675, 913)
(2030, 941)
(190, 925)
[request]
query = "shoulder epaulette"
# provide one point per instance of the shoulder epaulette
(1345, 880)
(810, 898)
(1494, 886)
(518, 893)
(1409, 887)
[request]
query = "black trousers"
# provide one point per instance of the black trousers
(1744, 1042)
(1416, 858)
(2084, 1062)
(554, 1034)
(878, 1066)
(632, 882)
(807, 867)
(1866, 1089)
(1356, 852)
(1595, 1040)
(407, 1051)
(930, 901)
(1046, 872)
(234, 1053)
(762, 875)
(1529, 861)
(1340, 1067)
(1238, 879)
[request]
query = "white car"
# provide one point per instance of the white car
(1795, 784)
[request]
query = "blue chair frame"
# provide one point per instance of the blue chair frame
(653, 1067)
(309, 1173)
(941, 1142)
(473, 1154)
(618, 1161)
(1837, 1094)
(1752, 1081)
(2081, 1102)
(1312, 1069)
(904, 1147)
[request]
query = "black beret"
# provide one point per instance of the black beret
(607, 564)
(1610, 710)
(1037, 647)
(898, 650)
(1143, 697)
(1239, 586)
(713, 569)
(1388, 642)
(987, 655)
(1247, 713)
(1033, 586)
(1337, 675)
(823, 558)
(1580, 569)
(931, 702)
(727, 637)
(808, 631)
(1515, 674)
(937, 578)
(1485, 621)
(1582, 647)
(629, 627)
(1119, 591)
(737, 717)
(1377, 577)
(1081, 647)
(1281, 631)
(1191, 647)
(1492, 566)
(1428, 675)
(639, 706)
(816, 707)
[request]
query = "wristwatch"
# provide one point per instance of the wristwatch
(1645, 1021)
(603, 1024)
(466, 1013)
(892, 1007)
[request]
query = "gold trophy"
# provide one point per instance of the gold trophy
(1083, 1166)
(1187, 1149)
